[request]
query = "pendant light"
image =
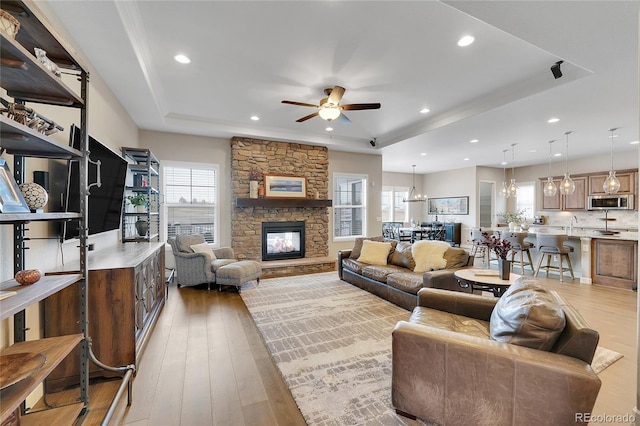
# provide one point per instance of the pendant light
(611, 184)
(504, 191)
(513, 188)
(414, 197)
(567, 186)
(550, 188)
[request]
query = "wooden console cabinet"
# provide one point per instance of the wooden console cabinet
(126, 295)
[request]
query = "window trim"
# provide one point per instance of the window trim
(165, 206)
(365, 178)
(398, 189)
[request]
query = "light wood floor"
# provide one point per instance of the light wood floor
(206, 364)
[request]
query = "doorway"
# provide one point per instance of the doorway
(486, 203)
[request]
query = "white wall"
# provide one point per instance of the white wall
(371, 165)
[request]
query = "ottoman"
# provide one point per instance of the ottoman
(238, 273)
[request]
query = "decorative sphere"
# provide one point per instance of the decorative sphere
(28, 276)
(35, 195)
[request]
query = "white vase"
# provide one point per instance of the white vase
(253, 189)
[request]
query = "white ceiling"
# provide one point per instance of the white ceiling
(247, 56)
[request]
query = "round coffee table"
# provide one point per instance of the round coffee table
(484, 280)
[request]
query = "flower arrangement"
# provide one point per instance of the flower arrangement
(255, 174)
(500, 247)
(517, 216)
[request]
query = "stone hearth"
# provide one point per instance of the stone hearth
(280, 158)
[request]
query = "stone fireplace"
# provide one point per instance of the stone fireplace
(280, 158)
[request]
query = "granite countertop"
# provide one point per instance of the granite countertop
(580, 232)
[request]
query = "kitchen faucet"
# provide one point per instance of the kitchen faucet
(573, 218)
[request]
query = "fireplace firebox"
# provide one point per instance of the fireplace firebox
(282, 240)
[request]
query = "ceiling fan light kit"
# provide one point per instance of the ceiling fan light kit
(329, 108)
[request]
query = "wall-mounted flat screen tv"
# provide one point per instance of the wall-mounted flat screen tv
(105, 202)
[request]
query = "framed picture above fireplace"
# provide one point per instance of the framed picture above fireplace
(283, 186)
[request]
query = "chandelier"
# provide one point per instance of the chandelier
(550, 188)
(414, 197)
(567, 186)
(611, 184)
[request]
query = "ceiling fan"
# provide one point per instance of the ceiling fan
(330, 108)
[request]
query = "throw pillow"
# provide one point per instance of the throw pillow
(527, 315)
(456, 257)
(374, 252)
(357, 247)
(204, 248)
(401, 256)
(429, 255)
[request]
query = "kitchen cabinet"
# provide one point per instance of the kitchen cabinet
(26, 79)
(553, 202)
(577, 200)
(614, 262)
(627, 183)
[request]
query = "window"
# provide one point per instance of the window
(349, 205)
(191, 194)
(526, 198)
(393, 208)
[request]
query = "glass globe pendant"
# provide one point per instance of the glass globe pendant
(567, 186)
(611, 184)
(504, 190)
(513, 188)
(550, 189)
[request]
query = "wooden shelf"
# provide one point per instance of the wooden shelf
(19, 139)
(54, 348)
(268, 203)
(37, 217)
(30, 294)
(24, 77)
(64, 415)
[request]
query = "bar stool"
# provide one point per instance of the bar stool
(479, 248)
(519, 245)
(553, 245)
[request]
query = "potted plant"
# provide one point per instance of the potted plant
(501, 248)
(139, 201)
(514, 219)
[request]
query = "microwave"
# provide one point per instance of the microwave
(610, 202)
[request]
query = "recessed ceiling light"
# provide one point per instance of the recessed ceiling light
(255, 118)
(465, 41)
(474, 141)
(183, 59)
(557, 154)
(553, 120)
(466, 159)
(424, 110)
(424, 153)
(634, 142)
(616, 136)
(329, 129)
(504, 163)
(533, 150)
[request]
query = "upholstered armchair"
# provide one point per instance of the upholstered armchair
(447, 370)
(197, 267)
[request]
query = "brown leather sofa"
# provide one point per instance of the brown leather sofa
(447, 370)
(396, 281)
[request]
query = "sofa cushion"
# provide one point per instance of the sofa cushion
(203, 248)
(429, 255)
(357, 247)
(401, 256)
(380, 272)
(374, 252)
(527, 315)
(450, 322)
(353, 265)
(456, 257)
(411, 282)
(184, 242)
(219, 263)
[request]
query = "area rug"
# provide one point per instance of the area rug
(603, 358)
(332, 344)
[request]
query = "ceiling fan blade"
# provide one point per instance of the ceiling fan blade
(299, 104)
(300, 120)
(343, 119)
(336, 94)
(354, 107)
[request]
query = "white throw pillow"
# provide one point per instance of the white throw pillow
(429, 255)
(374, 253)
(203, 248)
